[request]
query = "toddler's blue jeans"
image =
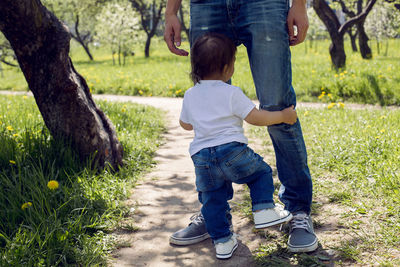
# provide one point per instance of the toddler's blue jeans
(260, 25)
(216, 168)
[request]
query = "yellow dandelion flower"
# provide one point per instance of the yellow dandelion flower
(330, 96)
(140, 92)
(26, 205)
(12, 162)
(331, 105)
(368, 126)
(336, 75)
(52, 184)
(306, 113)
(16, 135)
(24, 97)
(383, 130)
(321, 96)
(322, 88)
(341, 74)
(170, 86)
(123, 110)
(340, 105)
(377, 137)
(10, 128)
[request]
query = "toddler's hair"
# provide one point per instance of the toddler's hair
(209, 54)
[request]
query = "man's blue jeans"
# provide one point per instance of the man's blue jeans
(261, 26)
(216, 168)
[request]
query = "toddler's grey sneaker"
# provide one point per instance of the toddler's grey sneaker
(268, 217)
(195, 232)
(301, 234)
(226, 249)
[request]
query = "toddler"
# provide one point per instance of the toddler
(215, 111)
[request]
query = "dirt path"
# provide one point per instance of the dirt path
(165, 200)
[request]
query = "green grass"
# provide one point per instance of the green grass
(69, 225)
(373, 81)
(354, 159)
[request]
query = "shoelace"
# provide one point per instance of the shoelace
(300, 221)
(197, 218)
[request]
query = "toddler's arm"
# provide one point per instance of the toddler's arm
(186, 126)
(266, 118)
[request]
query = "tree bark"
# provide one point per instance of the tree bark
(363, 39)
(353, 38)
(41, 44)
(184, 27)
(365, 50)
(147, 46)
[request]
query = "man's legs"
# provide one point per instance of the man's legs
(261, 25)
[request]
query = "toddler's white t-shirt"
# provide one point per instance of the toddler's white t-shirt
(216, 111)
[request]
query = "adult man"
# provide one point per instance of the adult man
(267, 29)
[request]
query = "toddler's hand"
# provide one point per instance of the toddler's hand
(289, 115)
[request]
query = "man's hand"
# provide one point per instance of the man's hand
(297, 17)
(172, 34)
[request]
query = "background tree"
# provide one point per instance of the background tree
(150, 15)
(184, 16)
(7, 55)
(79, 16)
(384, 23)
(41, 44)
(351, 10)
(118, 27)
(316, 30)
(337, 30)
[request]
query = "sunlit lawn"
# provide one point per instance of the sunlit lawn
(68, 225)
(163, 74)
(354, 158)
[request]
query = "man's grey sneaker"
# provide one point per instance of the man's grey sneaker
(226, 249)
(301, 234)
(194, 233)
(268, 217)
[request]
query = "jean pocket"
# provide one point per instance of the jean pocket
(243, 164)
(204, 180)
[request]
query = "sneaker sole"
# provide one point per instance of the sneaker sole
(227, 256)
(282, 220)
(309, 248)
(188, 241)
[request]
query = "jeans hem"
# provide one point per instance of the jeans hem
(222, 239)
(261, 206)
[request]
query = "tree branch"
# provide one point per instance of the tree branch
(357, 18)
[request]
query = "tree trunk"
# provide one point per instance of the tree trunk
(147, 46)
(41, 44)
(81, 40)
(85, 47)
(184, 28)
(353, 38)
(338, 55)
(365, 50)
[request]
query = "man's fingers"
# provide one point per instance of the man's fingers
(290, 29)
(177, 39)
